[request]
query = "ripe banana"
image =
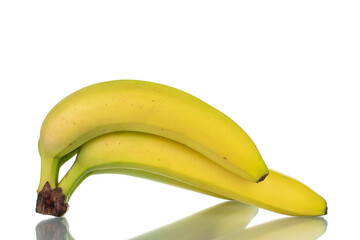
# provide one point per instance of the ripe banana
(162, 156)
(131, 105)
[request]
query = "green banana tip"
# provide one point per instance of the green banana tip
(51, 202)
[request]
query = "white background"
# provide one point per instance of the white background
(286, 71)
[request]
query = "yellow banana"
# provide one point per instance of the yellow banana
(131, 105)
(147, 152)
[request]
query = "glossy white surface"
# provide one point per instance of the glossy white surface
(286, 72)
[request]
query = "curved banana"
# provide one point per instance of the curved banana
(131, 105)
(147, 152)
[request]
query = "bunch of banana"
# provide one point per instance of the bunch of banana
(160, 133)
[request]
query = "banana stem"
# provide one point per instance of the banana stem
(49, 172)
(72, 180)
(50, 200)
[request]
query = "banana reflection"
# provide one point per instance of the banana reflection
(53, 229)
(294, 228)
(210, 223)
(225, 221)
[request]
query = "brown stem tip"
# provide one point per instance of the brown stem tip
(51, 202)
(262, 178)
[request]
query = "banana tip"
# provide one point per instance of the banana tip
(51, 202)
(262, 178)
